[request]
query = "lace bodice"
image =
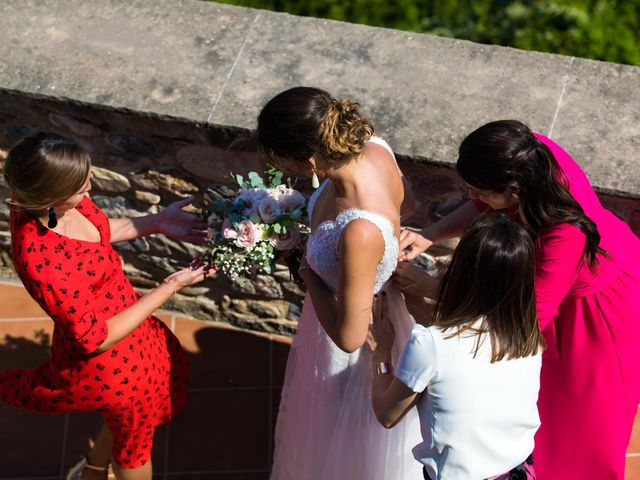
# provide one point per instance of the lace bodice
(326, 428)
(322, 246)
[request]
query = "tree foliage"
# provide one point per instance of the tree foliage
(599, 29)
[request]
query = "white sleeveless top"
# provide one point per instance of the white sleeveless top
(322, 245)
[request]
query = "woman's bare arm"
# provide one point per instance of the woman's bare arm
(346, 316)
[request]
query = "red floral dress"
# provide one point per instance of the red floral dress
(136, 385)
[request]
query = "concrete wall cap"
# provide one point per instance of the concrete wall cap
(217, 64)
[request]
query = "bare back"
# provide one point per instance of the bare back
(378, 188)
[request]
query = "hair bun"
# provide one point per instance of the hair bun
(344, 131)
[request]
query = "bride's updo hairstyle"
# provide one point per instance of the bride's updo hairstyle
(302, 122)
(44, 169)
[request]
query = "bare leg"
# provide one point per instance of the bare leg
(141, 473)
(99, 455)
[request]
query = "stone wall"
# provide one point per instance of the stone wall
(143, 163)
(159, 92)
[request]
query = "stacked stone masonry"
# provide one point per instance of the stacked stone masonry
(142, 164)
(163, 95)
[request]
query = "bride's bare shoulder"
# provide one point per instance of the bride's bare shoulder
(384, 180)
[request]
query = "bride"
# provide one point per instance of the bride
(326, 428)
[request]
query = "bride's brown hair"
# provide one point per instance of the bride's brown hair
(303, 121)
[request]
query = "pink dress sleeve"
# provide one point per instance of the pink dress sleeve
(558, 261)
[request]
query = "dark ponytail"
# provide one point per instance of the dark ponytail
(505, 154)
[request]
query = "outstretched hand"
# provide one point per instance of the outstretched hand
(180, 225)
(196, 272)
(412, 244)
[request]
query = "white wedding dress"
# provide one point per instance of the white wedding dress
(326, 427)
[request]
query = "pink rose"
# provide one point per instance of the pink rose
(269, 210)
(287, 241)
(228, 232)
(247, 234)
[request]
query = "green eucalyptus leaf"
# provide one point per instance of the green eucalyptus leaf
(256, 180)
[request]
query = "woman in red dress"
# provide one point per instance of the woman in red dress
(108, 353)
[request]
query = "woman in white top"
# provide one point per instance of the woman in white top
(474, 374)
(326, 428)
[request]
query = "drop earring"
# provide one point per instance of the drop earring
(315, 181)
(53, 220)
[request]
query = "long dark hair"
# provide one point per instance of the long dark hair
(305, 121)
(491, 277)
(505, 154)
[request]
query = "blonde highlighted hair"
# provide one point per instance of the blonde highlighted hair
(303, 121)
(344, 132)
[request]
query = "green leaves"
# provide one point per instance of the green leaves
(600, 29)
(244, 242)
(256, 180)
(273, 177)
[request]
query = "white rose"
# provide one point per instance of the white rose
(291, 200)
(275, 192)
(269, 209)
(228, 232)
(251, 195)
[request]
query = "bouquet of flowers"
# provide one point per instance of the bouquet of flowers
(266, 220)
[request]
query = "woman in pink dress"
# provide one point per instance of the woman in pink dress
(587, 289)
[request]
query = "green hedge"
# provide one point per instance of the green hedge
(599, 29)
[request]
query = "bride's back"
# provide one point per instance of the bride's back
(326, 428)
(376, 187)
